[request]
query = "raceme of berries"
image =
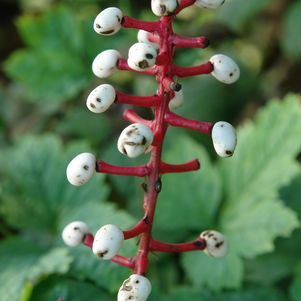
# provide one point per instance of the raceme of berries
(152, 55)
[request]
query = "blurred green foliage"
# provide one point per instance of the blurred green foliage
(47, 48)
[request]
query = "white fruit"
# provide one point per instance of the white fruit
(142, 37)
(74, 233)
(177, 100)
(142, 56)
(224, 138)
(108, 21)
(101, 98)
(209, 3)
(135, 139)
(108, 241)
(105, 64)
(224, 69)
(164, 7)
(136, 288)
(216, 243)
(81, 169)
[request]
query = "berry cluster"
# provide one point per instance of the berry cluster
(153, 55)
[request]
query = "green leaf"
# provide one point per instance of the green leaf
(188, 201)
(22, 261)
(291, 195)
(95, 129)
(250, 294)
(235, 15)
(49, 75)
(53, 67)
(252, 215)
(290, 40)
(215, 273)
(295, 289)
(56, 287)
(36, 193)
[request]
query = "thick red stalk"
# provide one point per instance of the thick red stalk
(165, 71)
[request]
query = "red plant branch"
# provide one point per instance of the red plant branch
(178, 41)
(138, 171)
(123, 65)
(173, 168)
(176, 120)
(198, 244)
(131, 116)
(143, 101)
(190, 71)
(165, 72)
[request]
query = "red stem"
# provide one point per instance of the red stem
(200, 42)
(184, 4)
(198, 244)
(129, 22)
(173, 168)
(130, 115)
(176, 120)
(138, 171)
(165, 71)
(189, 71)
(136, 230)
(128, 262)
(88, 240)
(143, 101)
(123, 65)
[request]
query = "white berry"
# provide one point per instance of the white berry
(142, 37)
(101, 98)
(142, 56)
(81, 169)
(224, 138)
(136, 288)
(216, 243)
(224, 69)
(164, 7)
(108, 241)
(177, 101)
(135, 139)
(108, 21)
(105, 64)
(74, 233)
(209, 3)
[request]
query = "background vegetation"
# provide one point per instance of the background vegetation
(46, 49)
